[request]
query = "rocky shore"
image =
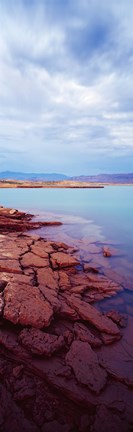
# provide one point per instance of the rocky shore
(64, 365)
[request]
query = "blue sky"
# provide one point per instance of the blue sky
(66, 86)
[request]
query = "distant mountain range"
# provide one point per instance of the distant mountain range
(9, 175)
(100, 178)
(106, 178)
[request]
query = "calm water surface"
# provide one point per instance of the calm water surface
(105, 214)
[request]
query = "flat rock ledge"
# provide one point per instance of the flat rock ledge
(64, 365)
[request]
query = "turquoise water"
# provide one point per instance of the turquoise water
(105, 214)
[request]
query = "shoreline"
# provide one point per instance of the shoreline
(59, 184)
(65, 362)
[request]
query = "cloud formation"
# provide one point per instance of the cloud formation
(66, 85)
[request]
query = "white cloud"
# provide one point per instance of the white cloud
(55, 106)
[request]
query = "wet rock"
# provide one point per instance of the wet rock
(106, 252)
(85, 335)
(103, 285)
(25, 305)
(60, 245)
(88, 268)
(40, 343)
(117, 318)
(109, 339)
(32, 260)
(84, 362)
(61, 260)
(119, 278)
(116, 357)
(92, 315)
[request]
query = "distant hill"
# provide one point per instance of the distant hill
(100, 178)
(9, 175)
(106, 178)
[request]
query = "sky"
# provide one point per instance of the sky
(66, 86)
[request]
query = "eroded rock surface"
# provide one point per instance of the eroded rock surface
(64, 365)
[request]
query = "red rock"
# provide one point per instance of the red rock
(47, 246)
(85, 335)
(39, 249)
(64, 281)
(84, 362)
(116, 357)
(109, 339)
(66, 312)
(10, 266)
(92, 315)
(60, 245)
(106, 252)
(51, 296)
(117, 318)
(25, 305)
(61, 260)
(89, 268)
(32, 260)
(48, 278)
(103, 285)
(40, 343)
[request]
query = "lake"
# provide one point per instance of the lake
(101, 216)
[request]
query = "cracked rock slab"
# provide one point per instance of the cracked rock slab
(48, 278)
(92, 315)
(32, 260)
(25, 305)
(84, 363)
(40, 343)
(61, 260)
